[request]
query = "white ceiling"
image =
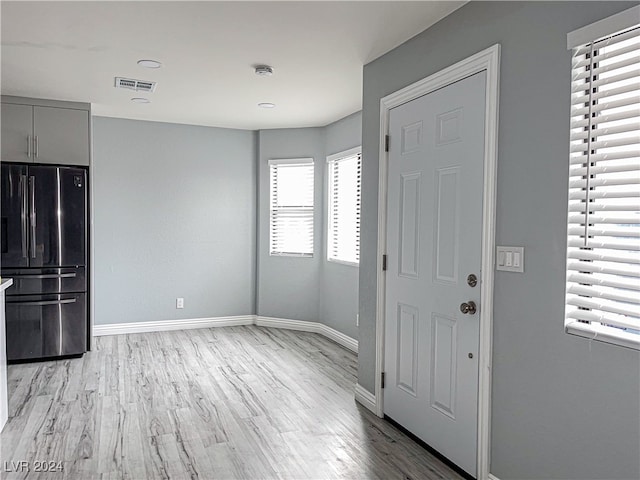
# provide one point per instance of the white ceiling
(73, 51)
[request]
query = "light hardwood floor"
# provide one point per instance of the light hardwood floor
(238, 402)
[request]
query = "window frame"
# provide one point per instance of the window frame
(332, 159)
(283, 162)
(583, 37)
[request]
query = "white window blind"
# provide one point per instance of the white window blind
(603, 249)
(291, 216)
(343, 242)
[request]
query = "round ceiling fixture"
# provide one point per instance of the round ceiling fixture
(264, 70)
(266, 105)
(149, 63)
(140, 100)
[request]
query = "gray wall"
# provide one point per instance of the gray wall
(563, 407)
(339, 284)
(162, 194)
(165, 196)
(289, 287)
(310, 289)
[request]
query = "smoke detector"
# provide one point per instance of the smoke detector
(264, 70)
(137, 85)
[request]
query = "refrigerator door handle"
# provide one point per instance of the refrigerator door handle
(32, 215)
(46, 275)
(39, 303)
(23, 214)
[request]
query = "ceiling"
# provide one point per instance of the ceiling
(73, 51)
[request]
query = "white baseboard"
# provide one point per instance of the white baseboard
(191, 323)
(286, 323)
(365, 398)
(166, 325)
(314, 327)
(338, 337)
(492, 477)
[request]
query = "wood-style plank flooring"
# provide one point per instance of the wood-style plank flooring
(224, 403)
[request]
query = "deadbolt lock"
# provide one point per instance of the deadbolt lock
(472, 280)
(468, 308)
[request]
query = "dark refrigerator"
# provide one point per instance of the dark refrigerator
(44, 250)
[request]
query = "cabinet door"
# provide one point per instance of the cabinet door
(62, 135)
(4, 405)
(17, 122)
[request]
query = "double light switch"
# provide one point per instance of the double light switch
(510, 259)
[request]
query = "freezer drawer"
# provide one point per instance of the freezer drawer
(41, 326)
(36, 281)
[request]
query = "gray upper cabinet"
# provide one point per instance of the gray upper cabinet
(61, 135)
(17, 140)
(45, 133)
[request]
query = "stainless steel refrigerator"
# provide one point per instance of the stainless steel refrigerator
(44, 250)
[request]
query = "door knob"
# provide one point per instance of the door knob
(468, 308)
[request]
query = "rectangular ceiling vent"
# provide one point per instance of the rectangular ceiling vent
(137, 85)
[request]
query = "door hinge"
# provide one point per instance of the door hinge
(384, 263)
(386, 143)
(382, 380)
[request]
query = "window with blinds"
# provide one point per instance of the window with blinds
(291, 207)
(603, 249)
(343, 236)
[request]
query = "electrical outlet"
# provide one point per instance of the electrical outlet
(179, 302)
(357, 319)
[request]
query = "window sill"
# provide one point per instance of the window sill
(604, 334)
(294, 255)
(343, 262)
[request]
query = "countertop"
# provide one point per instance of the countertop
(5, 283)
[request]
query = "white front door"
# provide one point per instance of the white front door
(434, 236)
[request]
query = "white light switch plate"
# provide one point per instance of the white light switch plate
(510, 259)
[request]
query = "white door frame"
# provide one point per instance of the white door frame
(487, 60)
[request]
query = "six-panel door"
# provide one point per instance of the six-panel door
(434, 239)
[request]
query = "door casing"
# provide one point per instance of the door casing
(487, 60)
